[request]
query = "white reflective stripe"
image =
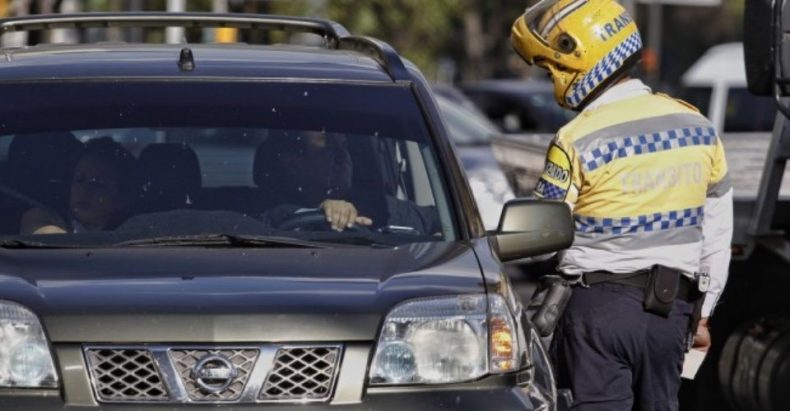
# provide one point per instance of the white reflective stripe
(580, 259)
(564, 12)
(721, 188)
(717, 233)
(533, 13)
(642, 239)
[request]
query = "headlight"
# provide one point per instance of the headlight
(25, 359)
(446, 340)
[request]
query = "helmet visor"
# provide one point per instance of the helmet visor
(545, 15)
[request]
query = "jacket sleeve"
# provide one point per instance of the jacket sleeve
(561, 178)
(717, 228)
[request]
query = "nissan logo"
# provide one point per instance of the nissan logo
(214, 373)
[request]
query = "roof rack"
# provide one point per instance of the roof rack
(335, 35)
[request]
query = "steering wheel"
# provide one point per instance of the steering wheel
(313, 220)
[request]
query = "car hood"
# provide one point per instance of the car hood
(229, 295)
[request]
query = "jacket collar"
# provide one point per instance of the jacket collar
(620, 91)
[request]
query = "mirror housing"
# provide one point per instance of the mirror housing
(530, 227)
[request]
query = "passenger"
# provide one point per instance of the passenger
(101, 191)
(315, 170)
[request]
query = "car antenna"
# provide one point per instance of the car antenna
(186, 60)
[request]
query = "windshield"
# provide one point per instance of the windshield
(143, 160)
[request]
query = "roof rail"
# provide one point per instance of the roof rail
(163, 19)
(380, 51)
(335, 34)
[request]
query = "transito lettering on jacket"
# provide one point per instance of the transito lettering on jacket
(681, 175)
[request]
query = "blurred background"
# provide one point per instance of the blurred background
(463, 41)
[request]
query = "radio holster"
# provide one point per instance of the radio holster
(549, 302)
(661, 290)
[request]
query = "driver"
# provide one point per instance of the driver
(101, 190)
(314, 170)
(311, 170)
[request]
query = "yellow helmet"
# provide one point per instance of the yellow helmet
(585, 45)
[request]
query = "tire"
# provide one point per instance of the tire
(758, 42)
(754, 369)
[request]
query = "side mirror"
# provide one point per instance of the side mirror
(532, 227)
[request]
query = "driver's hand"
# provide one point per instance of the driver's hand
(342, 214)
(39, 221)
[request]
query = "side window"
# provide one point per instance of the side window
(746, 112)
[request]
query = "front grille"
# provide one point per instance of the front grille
(185, 360)
(303, 373)
(211, 374)
(121, 375)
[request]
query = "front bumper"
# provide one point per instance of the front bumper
(493, 393)
(501, 392)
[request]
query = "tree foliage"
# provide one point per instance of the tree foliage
(419, 29)
(470, 36)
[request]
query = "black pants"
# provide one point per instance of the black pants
(615, 356)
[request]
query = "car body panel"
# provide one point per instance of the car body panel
(225, 61)
(225, 295)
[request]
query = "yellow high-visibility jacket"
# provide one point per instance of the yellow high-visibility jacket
(647, 179)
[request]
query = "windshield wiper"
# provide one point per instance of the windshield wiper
(357, 240)
(226, 240)
(19, 244)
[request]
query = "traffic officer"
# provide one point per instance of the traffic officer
(646, 177)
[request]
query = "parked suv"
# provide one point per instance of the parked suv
(165, 236)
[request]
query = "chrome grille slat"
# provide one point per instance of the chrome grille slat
(121, 375)
(185, 359)
(301, 373)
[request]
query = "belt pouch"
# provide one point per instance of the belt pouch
(662, 289)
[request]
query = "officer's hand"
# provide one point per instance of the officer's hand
(342, 214)
(702, 336)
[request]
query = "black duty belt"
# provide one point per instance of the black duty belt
(687, 290)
